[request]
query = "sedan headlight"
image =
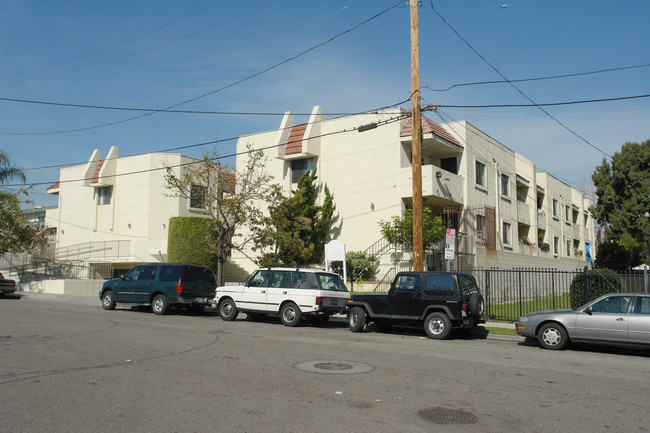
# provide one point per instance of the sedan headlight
(523, 319)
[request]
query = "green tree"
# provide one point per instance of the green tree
(230, 199)
(623, 193)
(190, 240)
(16, 234)
(7, 171)
(361, 266)
(296, 228)
(399, 230)
(612, 255)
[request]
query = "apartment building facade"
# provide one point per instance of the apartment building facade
(117, 209)
(505, 211)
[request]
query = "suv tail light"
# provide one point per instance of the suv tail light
(319, 300)
(465, 307)
(179, 288)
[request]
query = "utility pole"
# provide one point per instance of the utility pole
(416, 140)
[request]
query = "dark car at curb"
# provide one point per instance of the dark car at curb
(6, 286)
(435, 301)
(161, 285)
(615, 318)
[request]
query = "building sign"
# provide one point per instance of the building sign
(450, 244)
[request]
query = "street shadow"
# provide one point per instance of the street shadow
(627, 350)
(11, 296)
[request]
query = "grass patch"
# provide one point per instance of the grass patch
(501, 331)
(512, 311)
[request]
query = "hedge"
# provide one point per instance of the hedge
(188, 241)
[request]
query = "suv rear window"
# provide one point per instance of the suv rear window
(467, 284)
(331, 282)
(199, 274)
(439, 285)
(170, 273)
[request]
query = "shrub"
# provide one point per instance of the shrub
(188, 241)
(587, 286)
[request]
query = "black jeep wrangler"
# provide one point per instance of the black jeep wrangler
(439, 301)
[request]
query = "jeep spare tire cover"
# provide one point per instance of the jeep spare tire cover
(476, 305)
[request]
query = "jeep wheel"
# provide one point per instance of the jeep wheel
(437, 326)
(552, 336)
(290, 314)
(357, 319)
(476, 305)
(159, 304)
(227, 310)
(108, 300)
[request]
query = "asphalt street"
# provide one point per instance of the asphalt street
(69, 366)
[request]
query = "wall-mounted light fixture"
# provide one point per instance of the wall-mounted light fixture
(129, 225)
(438, 174)
(372, 206)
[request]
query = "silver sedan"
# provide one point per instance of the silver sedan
(617, 318)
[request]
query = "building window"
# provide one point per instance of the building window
(104, 195)
(505, 185)
(506, 234)
(540, 202)
(568, 213)
(449, 164)
(480, 226)
(300, 167)
(568, 248)
(198, 197)
(556, 209)
(480, 173)
(556, 245)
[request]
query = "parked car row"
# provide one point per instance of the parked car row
(437, 302)
(6, 286)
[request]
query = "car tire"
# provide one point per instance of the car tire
(552, 336)
(357, 319)
(476, 306)
(108, 300)
(228, 310)
(159, 304)
(437, 326)
(290, 314)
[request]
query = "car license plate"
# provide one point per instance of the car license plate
(334, 302)
(201, 300)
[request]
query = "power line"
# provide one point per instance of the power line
(143, 50)
(270, 68)
(552, 77)
(356, 128)
(253, 113)
(550, 104)
(515, 87)
(189, 146)
(101, 50)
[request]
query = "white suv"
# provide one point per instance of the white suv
(290, 292)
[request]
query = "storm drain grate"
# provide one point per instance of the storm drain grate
(443, 415)
(333, 367)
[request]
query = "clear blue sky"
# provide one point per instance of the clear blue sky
(156, 54)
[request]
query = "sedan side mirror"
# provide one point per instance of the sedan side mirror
(122, 277)
(589, 310)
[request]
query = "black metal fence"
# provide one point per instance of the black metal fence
(513, 292)
(36, 269)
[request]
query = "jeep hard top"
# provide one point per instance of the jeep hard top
(437, 301)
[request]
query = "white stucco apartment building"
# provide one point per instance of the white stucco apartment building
(506, 212)
(117, 209)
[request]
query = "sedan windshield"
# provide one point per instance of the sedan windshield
(331, 282)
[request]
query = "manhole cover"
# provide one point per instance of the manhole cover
(442, 415)
(333, 367)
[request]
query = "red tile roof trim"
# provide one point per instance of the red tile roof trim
(99, 166)
(429, 127)
(54, 186)
(294, 143)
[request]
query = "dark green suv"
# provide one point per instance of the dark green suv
(161, 285)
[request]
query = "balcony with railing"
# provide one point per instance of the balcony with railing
(440, 186)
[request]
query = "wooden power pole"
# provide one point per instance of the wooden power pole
(416, 140)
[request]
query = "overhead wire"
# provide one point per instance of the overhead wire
(144, 50)
(205, 143)
(216, 158)
(249, 77)
(551, 77)
(115, 45)
(514, 86)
